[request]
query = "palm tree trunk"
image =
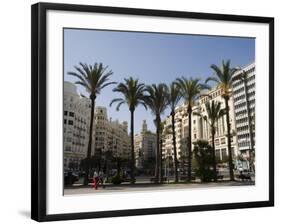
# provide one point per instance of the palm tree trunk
(214, 156)
(174, 146)
(229, 140)
(89, 151)
(160, 158)
(132, 149)
(189, 143)
(157, 150)
(251, 147)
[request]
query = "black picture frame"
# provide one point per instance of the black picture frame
(38, 108)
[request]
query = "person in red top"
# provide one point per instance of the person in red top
(95, 180)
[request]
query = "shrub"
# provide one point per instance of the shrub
(203, 156)
(117, 179)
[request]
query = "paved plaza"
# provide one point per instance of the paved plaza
(74, 190)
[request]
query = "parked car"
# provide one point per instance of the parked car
(70, 178)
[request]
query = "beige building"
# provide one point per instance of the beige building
(111, 135)
(107, 135)
(145, 146)
(200, 128)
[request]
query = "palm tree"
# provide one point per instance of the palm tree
(157, 100)
(190, 90)
(93, 79)
(223, 76)
(214, 113)
(108, 157)
(133, 95)
(174, 96)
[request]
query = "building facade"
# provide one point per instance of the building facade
(111, 135)
(145, 146)
(244, 108)
(107, 135)
(200, 128)
(76, 126)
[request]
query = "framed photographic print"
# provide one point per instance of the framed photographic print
(139, 111)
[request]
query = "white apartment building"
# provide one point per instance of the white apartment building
(145, 146)
(76, 126)
(244, 108)
(107, 134)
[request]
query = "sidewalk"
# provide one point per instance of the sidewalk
(127, 187)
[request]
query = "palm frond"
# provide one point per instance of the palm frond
(85, 85)
(115, 100)
(214, 79)
(92, 77)
(132, 91)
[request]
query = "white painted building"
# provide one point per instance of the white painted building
(244, 110)
(107, 135)
(76, 126)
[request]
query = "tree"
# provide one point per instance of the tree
(214, 113)
(109, 158)
(157, 101)
(93, 79)
(133, 95)
(174, 96)
(223, 76)
(203, 156)
(190, 90)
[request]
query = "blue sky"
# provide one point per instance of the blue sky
(152, 58)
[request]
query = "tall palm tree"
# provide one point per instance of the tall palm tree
(93, 78)
(223, 76)
(133, 95)
(174, 96)
(190, 90)
(214, 113)
(157, 100)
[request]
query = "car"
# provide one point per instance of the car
(70, 178)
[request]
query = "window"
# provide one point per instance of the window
(222, 141)
(65, 112)
(224, 154)
(64, 121)
(71, 114)
(69, 139)
(218, 154)
(217, 142)
(70, 122)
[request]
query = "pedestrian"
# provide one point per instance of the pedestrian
(101, 179)
(95, 180)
